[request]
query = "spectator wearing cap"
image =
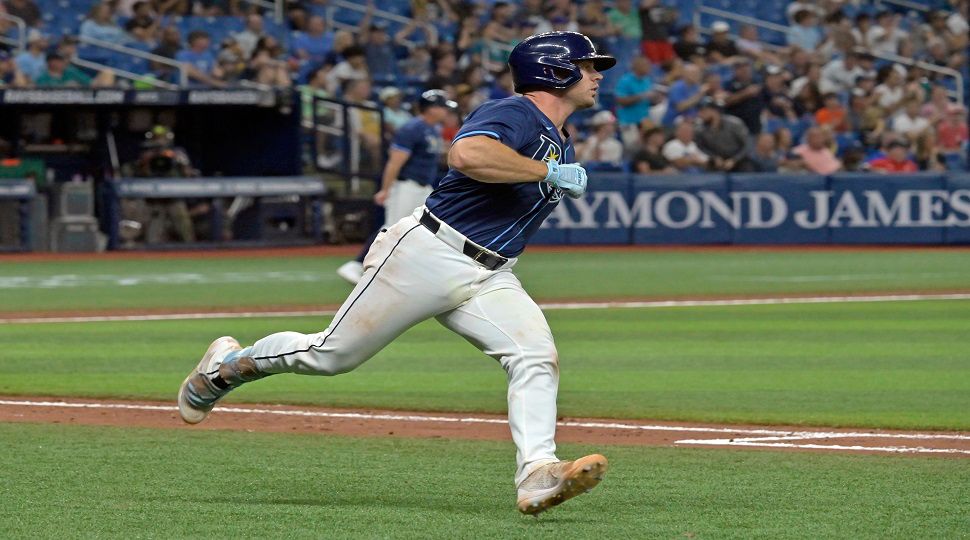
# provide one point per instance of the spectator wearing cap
(721, 46)
(723, 137)
(885, 36)
(601, 146)
(689, 44)
(832, 115)
(395, 116)
(10, 75)
(380, 53)
(352, 67)
(805, 33)
(839, 75)
(32, 61)
(313, 45)
(655, 23)
(745, 98)
(682, 152)
(634, 96)
(59, 73)
(815, 155)
(649, 158)
(625, 19)
(100, 24)
(685, 94)
(909, 122)
(778, 101)
(894, 160)
(230, 61)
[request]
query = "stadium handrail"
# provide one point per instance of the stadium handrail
(744, 19)
(906, 4)
(182, 67)
(124, 74)
(332, 5)
(21, 40)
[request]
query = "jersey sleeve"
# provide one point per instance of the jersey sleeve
(406, 138)
(502, 120)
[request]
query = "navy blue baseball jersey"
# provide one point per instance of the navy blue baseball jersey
(502, 217)
(423, 141)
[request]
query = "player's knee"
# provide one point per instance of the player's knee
(338, 364)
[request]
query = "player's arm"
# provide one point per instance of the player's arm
(488, 160)
(396, 159)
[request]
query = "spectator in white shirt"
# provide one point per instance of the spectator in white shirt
(248, 38)
(601, 146)
(889, 92)
(909, 121)
(353, 67)
(885, 36)
(840, 74)
(682, 152)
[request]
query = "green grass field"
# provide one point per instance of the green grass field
(891, 364)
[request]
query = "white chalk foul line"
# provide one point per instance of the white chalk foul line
(772, 435)
(812, 446)
(546, 306)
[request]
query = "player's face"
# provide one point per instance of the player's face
(583, 94)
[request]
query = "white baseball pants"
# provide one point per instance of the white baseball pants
(411, 275)
(403, 197)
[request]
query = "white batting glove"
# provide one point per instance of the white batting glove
(570, 177)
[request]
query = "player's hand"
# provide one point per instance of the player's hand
(570, 177)
(380, 197)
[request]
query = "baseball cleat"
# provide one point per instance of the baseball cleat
(351, 271)
(555, 483)
(198, 394)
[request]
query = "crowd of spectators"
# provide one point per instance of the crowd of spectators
(842, 92)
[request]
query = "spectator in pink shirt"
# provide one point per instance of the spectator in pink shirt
(951, 132)
(815, 155)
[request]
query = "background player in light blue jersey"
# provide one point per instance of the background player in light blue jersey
(453, 259)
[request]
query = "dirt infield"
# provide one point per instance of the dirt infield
(371, 423)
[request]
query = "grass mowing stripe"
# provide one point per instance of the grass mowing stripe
(544, 306)
(177, 484)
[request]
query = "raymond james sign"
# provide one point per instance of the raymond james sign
(765, 209)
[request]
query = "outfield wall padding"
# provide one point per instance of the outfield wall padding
(751, 209)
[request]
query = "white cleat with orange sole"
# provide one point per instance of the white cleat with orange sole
(555, 483)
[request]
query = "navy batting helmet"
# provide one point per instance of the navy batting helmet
(435, 98)
(548, 60)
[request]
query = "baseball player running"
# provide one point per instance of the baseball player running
(452, 259)
(411, 169)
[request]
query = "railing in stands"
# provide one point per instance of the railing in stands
(124, 74)
(181, 67)
(910, 62)
(904, 3)
(333, 5)
(20, 42)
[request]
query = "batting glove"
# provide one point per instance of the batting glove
(570, 178)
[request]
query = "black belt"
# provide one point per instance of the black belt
(480, 255)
